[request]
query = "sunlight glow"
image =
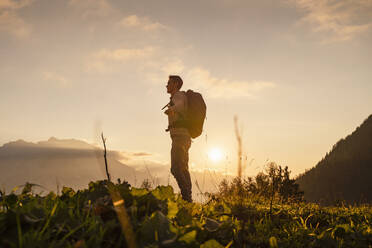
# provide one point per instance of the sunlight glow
(215, 154)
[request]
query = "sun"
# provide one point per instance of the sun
(215, 154)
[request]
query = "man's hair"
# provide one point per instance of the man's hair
(177, 79)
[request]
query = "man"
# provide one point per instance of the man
(181, 140)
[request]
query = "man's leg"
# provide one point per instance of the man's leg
(179, 164)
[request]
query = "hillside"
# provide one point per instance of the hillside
(74, 163)
(160, 218)
(56, 161)
(345, 172)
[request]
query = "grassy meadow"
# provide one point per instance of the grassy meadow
(160, 218)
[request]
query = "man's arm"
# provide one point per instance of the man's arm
(179, 104)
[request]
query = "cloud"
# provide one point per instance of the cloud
(173, 66)
(141, 154)
(92, 8)
(124, 54)
(340, 20)
(10, 22)
(156, 68)
(105, 60)
(201, 79)
(144, 23)
(134, 155)
(11, 4)
(55, 78)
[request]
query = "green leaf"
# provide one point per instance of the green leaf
(11, 199)
(184, 217)
(163, 192)
(139, 192)
(212, 243)
(156, 227)
(188, 237)
(211, 225)
(172, 209)
(66, 191)
(27, 188)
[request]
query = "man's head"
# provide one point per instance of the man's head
(174, 84)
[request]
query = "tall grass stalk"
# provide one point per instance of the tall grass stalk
(240, 147)
(19, 229)
(105, 157)
(119, 206)
(49, 218)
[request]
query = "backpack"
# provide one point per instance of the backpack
(195, 114)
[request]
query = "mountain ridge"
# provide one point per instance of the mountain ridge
(55, 162)
(344, 173)
(71, 162)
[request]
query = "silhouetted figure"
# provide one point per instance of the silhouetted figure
(181, 139)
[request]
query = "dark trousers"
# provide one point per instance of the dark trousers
(179, 164)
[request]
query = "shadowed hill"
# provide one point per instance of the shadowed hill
(74, 163)
(66, 161)
(345, 172)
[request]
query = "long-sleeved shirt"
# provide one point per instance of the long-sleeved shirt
(176, 112)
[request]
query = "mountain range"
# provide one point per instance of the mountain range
(345, 173)
(69, 162)
(74, 163)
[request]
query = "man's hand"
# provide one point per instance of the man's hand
(168, 112)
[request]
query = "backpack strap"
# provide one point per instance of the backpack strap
(182, 122)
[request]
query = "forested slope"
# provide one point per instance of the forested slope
(345, 173)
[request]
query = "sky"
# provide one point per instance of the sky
(296, 73)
